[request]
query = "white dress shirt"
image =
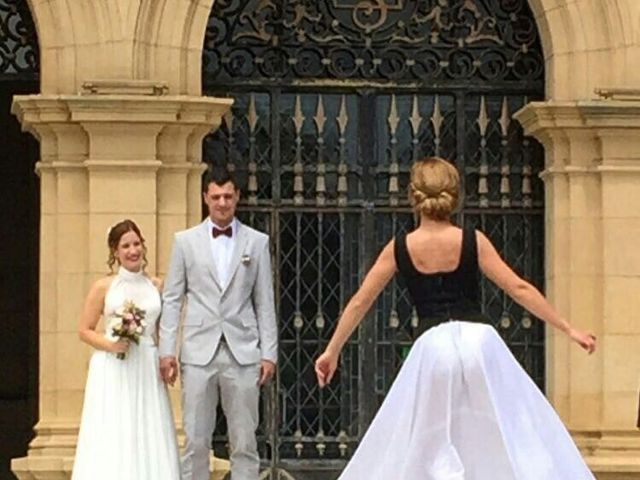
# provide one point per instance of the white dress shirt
(222, 249)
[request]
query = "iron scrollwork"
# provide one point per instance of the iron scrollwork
(19, 52)
(385, 40)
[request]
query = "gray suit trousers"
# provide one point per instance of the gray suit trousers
(236, 387)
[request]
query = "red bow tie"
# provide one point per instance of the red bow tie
(216, 232)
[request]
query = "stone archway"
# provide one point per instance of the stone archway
(162, 40)
(126, 40)
(582, 41)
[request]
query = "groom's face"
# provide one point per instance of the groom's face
(222, 201)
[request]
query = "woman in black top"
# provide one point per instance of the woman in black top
(461, 407)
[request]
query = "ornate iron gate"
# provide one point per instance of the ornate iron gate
(333, 101)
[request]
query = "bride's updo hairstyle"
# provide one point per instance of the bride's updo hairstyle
(114, 235)
(434, 190)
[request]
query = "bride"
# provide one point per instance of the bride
(126, 431)
(461, 407)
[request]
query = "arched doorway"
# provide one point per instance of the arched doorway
(333, 101)
(19, 226)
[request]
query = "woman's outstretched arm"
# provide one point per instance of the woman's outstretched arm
(376, 279)
(525, 294)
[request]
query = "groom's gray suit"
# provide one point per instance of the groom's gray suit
(228, 328)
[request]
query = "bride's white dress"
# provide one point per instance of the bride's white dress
(127, 430)
(462, 408)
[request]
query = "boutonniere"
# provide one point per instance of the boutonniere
(246, 259)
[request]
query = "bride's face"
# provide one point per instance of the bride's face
(130, 251)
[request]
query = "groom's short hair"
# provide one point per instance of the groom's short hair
(219, 175)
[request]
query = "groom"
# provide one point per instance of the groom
(221, 271)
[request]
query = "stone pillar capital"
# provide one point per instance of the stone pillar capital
(586, 137)
(582, 115)
(603, 119)
(143, 115)
(118, 130)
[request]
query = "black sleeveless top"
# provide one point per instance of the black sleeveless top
(439, 297)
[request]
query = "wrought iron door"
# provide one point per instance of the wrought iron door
(333, 101)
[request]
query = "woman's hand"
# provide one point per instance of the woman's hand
(121, 346)
(326, 366)
(374, 282)
(585, 340)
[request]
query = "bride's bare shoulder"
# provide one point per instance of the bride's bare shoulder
(105, 281)
(101, 285)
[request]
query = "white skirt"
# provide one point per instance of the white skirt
(127, 430)
(462, 408)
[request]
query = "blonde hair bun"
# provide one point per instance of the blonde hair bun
(434, 190)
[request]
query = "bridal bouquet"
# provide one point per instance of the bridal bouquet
(132, 325)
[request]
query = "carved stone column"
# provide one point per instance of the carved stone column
(592, 180)
(119, 150)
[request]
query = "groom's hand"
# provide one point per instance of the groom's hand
(267, 371)
(169, 370)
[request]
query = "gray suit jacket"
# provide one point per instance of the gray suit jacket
(244, 309)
